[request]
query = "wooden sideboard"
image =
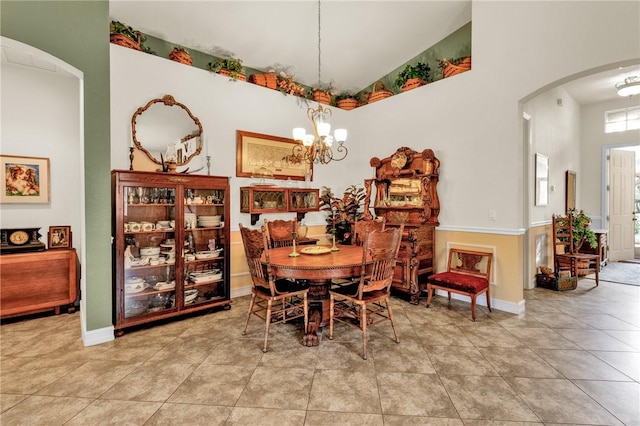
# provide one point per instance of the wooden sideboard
(38, 281)
(405, 185)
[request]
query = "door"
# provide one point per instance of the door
(621, 204)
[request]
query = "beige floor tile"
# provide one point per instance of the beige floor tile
(44, 410)
(272, 387)
(290, 356)
(189, 414)
(391, 420)
(518, 362)
(403, 357)
(115, 413)
(459, 360)
(328, 418)
(488, 398)
(213, 385)
(91, 380)
(580, 365)
(543, 338)
(9, 400)
(414, 395)
(346, 391)
(338, 355)
(29, 375)
(444, 335)
(491, 337)
(468, 422)
(594, 340)
(631, 338)
(626, 362)
(150, 382)
(622, 399)
(268, 417)
(560, 401)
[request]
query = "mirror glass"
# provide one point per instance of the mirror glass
(165, 129)
(542, 180)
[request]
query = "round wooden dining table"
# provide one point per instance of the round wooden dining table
(318, 270)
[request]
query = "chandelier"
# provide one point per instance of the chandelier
(318, 147)
(629, 87)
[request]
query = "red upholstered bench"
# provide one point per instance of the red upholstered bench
(467, 273)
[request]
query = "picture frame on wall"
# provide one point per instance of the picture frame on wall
(275, 153)
(59, 237)
(25, 180)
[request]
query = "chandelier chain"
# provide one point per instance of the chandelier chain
(319, 49)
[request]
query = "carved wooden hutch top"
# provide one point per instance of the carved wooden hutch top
(405, 185)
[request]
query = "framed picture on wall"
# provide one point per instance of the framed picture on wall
(25, 180)
(570, 190)
(542, 180)
(255, 151)
(59, 237)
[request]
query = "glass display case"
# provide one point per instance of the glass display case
(171, 245)
(256, 200)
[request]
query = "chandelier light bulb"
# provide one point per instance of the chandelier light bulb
(323, 128)
(299, 133)
(340, 135)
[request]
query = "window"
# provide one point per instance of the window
(620, 120)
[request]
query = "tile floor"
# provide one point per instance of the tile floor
(574, 358)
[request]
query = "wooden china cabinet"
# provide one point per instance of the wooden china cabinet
(405, 193)
(171, 245)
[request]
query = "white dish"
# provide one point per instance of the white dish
(134, 288)
(315, 250)
(207, 254)
(165, 286)
(134, 280)
(190, 296)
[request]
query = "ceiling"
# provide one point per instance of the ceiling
(360, 40)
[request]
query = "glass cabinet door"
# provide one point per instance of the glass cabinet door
(149, 255)
(205, 239)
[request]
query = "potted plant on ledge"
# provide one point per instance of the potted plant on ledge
(124, 35)
(347, 101)
(413, 76)
(180, 54)
(230, 67)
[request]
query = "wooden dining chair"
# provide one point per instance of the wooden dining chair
(362, 227)
(366, 302)
(280, 232)
(468, 273)
(272, 300)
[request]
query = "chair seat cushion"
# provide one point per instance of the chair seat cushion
(460, 282)
(351, 290)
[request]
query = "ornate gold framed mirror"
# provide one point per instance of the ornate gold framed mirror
(166, 126)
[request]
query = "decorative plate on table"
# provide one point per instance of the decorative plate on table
(315, 250)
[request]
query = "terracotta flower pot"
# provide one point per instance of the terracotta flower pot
(412, 83)
(347, 104)
(237, 76)
(321, 97)
(180, 56)
(123, 40)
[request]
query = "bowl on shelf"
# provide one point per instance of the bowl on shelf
(207, 254)
(149, 251)
(159, 300)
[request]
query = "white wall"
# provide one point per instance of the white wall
(40, 118)
(472, 121)
(556, 134)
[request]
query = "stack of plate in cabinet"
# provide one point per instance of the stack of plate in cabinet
(209, 221)
(189, 220)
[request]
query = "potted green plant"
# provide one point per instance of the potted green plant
(321, 94)
(581, 231)
(180, 54)
(229, 66)
(124, 35)
(413, 76)
(347, 100)
(342, 212)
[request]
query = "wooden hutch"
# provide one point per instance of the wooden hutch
(405, 193)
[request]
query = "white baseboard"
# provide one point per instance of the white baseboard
(242, 291)
(96, 337)
(501, 305)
